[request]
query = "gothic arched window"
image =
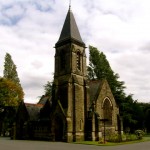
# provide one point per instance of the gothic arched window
(78, 61)
(107, 110)
(62, 60)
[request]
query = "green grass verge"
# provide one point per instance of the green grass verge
(144, 139)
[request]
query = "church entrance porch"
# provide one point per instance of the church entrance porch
(58, 129)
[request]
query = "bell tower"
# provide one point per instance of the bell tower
(70, 49)
(70, 81)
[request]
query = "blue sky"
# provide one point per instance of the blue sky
(29, 30)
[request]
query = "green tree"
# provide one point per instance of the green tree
(99, 68)
(10, 93)
(10, 70)
(10, 96)
(132, 113)
(48, 88)
(10, 81)
(146, 111)
(147, 122)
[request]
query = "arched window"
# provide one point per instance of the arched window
(78, 61)
(107, 111)
(62, 60)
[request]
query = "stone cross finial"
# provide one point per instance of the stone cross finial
(69, 4)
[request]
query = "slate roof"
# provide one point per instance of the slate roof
(44, 99)
(33, 111)
(70, 29)
(94, 88)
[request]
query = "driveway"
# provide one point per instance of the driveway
(7, 144)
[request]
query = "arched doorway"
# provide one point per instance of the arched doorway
(58, 129)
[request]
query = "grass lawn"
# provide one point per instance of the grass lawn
(144, 139)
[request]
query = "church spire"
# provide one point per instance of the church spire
(70, 29)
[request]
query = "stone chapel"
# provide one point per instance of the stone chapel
(77, 106)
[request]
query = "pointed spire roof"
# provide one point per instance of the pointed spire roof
(70, 29)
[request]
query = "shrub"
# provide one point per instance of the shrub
(139, 134)
(124, 137)
(115, 138)
(101, 141)
(131, 137)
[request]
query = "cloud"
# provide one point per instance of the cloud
(11, 14)
(120, 28)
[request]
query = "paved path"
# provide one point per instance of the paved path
(6, 144)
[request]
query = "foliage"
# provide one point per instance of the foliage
(146, 110)
(10, 96)
(131, 137)
(10, 71)
(99, 68)
(10, 93)
(139, 134)
(147, 121)
(7, 119)
(133, 115)
(125, 137)
(101, 141)
(48, 88)
(113, 138)
(131, 111)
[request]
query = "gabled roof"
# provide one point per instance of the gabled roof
(44, 99)
(70, 29)
(95, 88)
(33, 111)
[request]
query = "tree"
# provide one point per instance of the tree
(48, 89)
(10, 93)
(10, 71)
(99, 68)
(146, 110)
(130, 110)
(12, 87)
(132, 113)
(10, 96)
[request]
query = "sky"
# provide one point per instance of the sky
(29, 30)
